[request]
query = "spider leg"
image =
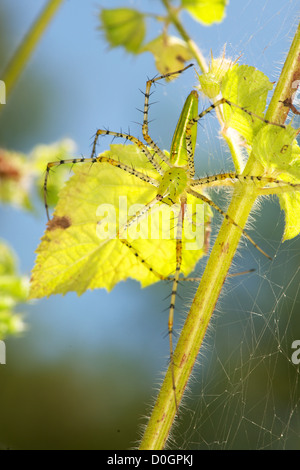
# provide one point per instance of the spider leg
(211, 108)
(174, 290)
(139, 214)
(227, 217)
(98, 159)
(198, 279)
(145, 129)
(227, 179)
(288, 187)
(130, 138)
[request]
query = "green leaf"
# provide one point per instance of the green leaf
(7, 260)
(206, 11)
(123, 27)
(170, 53)
(14, 286)
(273, 147)
(79, 249)
(294, 169)
(14, 179)
(43, 154)
(244, 86)
(247, 87)
(290, 204)
(10, 324)
(210, 82)
(13, 289)
(20, 173)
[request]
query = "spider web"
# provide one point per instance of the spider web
(245, 392)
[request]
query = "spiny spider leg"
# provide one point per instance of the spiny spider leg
(221, 179)
(174, 290)
(98, 159)
(207, 111)
(176, 278)
(146, 136)
(132, 139)
(139, 214)
(227, 217)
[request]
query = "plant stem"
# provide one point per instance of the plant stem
(197, 321)
(173, 17)
(213, 279)
(26, 48)
(288, 83)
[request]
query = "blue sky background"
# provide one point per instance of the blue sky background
(82, 86)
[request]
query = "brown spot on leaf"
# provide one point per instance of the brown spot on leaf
(7, 170)
(59, 222)
(284, 148)
(180, 59)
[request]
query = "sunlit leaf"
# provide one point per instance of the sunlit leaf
(123, 27)
(206, 11)
(80, 251)
(211, 81)
(273, 147)
(170, 53)
(248, 87)
(43, 154)
(290, 203)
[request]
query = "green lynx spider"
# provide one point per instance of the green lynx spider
(176, 182)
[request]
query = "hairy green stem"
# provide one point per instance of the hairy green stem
(213, 278)
(26, 48)
(195, 51)
(288, 83)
